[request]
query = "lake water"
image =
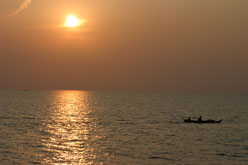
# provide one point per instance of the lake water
(86, 127)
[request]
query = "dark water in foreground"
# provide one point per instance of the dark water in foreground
(80, 127)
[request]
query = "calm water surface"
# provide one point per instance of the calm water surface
(84, 127)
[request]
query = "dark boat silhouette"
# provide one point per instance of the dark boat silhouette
(202, 121)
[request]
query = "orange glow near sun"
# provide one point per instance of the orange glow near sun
(72, 21)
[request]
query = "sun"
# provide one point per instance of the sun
(72, 21)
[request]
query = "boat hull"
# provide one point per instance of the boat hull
(202, 122)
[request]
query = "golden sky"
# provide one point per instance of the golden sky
(170, 45)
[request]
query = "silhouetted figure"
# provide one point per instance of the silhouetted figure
(189, 119)
(200, 119)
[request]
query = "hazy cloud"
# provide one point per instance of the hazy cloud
(23, 6)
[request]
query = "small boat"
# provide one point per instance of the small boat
(202, 121)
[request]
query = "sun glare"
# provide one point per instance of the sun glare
(72, 21)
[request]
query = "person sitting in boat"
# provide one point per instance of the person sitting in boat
(189, 119)
(200, 119)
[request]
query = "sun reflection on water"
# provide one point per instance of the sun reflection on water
(68, 127)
